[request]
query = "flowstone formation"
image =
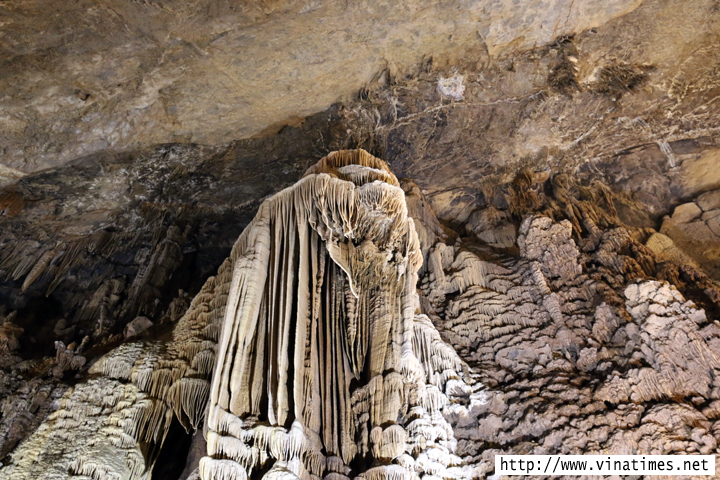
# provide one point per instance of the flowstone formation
(588, 341)
(351, 335)
(324, 366)
(324, 370)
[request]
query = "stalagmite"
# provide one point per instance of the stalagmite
(321, 366)
(320, 369)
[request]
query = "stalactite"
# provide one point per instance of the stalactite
(38, 268)
(142, 386)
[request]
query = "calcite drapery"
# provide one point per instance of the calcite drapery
(323, 367)
(316, 374)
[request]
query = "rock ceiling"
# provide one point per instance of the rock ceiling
(79, 77)
(549, 201)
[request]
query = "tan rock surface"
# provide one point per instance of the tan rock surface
(78, 77)
(700, 173)
(696, 231)
(665, 250)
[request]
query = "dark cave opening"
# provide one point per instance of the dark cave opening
(174, 453)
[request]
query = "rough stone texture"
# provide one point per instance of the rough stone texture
(106, 238)
(574, 264)
(629, 103)
(88, 247)
(84, 76)
(582, 353)
(696, 230)
(303, 402)
(586, 341)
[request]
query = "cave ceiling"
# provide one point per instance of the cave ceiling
(80, 77)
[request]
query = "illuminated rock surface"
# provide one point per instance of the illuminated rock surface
(561, 183)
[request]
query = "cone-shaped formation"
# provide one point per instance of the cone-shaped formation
(320, 371)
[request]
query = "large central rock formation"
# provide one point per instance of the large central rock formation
(320, 371)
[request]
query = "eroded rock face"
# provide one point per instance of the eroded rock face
(695, 228)
(90, 247)
(82, 77)
(628, 103)
(583, 352)
(322, 368)
(570, 285)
